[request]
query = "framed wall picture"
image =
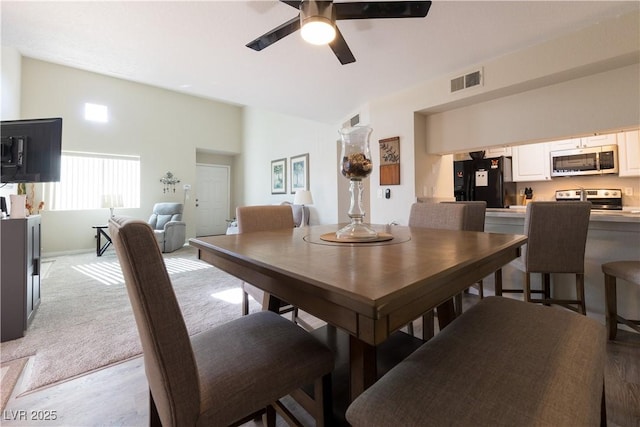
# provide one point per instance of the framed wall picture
(299, 172)
(279, 176)
(390, 161)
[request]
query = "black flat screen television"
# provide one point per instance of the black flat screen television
(31, 150)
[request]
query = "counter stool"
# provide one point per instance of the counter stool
(557, 238)
(625, 270)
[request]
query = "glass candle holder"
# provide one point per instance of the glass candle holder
(356, 165)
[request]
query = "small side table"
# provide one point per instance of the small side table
(100, 231)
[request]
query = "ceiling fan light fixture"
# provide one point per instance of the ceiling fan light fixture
(317, 22)
(318, 31)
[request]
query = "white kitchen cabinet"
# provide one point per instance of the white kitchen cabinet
(598, 140)
(565, 144)
(589, 141)
(531, 162)
(629, 153)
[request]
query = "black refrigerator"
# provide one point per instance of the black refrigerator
(485, 179)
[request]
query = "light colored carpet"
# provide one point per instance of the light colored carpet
(9, 374)
(85, 321)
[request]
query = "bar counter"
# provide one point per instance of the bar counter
(627, 215)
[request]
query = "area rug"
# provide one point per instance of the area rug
(85, 321)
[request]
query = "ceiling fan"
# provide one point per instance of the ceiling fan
(317, 21)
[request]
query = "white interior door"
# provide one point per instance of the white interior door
(212, 199)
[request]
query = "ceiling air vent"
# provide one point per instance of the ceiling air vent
(466, 81)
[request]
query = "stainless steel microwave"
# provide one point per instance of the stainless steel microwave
(585, 161)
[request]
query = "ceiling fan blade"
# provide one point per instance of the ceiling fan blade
(293, 3)
(382, 9)
(276, 34)
(341, 49)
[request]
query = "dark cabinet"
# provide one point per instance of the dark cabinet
(20, 277)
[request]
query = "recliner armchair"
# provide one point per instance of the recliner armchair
(169, 229)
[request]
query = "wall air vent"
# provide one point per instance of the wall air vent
(353, 121)
(472, 79)
(457, 84)
(466, 81)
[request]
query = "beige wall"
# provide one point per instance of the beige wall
(164, 128)
(10, 83)
(606, 101)
(269, 136)
(10, 94)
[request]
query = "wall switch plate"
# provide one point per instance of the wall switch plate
(628, 191)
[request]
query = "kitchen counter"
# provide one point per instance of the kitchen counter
(627, 215)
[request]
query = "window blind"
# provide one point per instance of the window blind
(87, 178)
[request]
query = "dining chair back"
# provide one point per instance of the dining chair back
(168, 357)
(474, 214)
(444, 216)
(202, 380)
(473, 220)
(557, 237)
(264, 218)
(447, 216)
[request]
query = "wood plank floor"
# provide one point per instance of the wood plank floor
(118, 395)
(622, 380)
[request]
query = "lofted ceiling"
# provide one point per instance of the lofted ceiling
(198, 47)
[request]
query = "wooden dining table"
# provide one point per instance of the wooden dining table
(369, 290)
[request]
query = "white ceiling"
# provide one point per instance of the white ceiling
(199, 47)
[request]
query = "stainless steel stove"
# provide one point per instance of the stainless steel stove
(604, 199)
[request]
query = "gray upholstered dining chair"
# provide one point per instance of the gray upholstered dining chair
(209, 379)
(447, 216)
(473, 220)
(263, 218)
(557, 238)
(168, 227)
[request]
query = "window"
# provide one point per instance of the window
(96, 113)
(87, 178)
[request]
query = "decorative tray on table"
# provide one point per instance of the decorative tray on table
(331, 237)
